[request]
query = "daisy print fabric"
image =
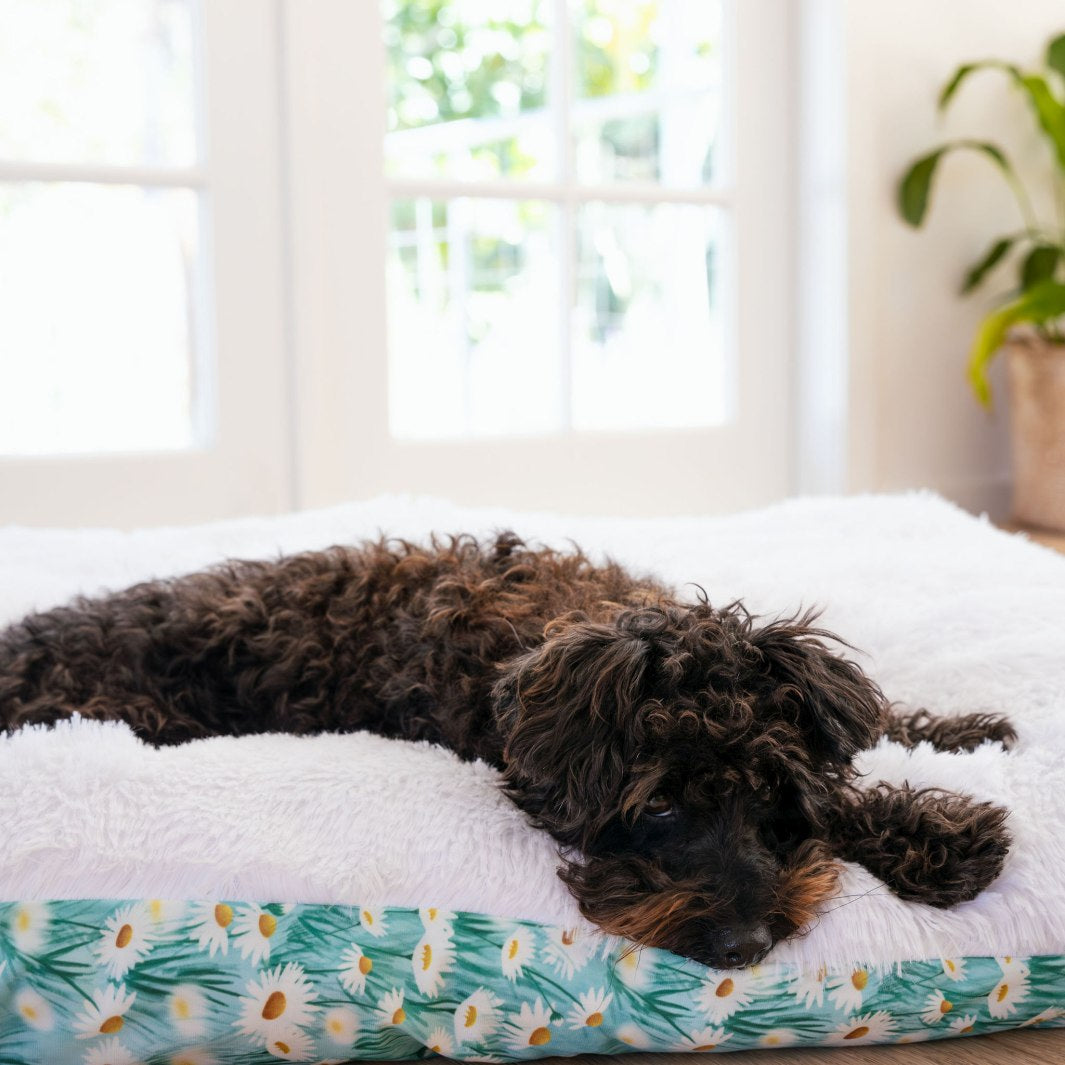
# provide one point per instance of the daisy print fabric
(123, 982)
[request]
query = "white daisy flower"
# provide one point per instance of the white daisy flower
(953, 968)
(634, 969)
(432, 958)
(777, 1037)
(105, 1015)
(193, 1056)
(633, 1036)
(517, 951)
(1051, 1013)
(440, 1042)
(1008, 992)
(588, 1011)
(567, 950)
(341, 1025)
(870, 1028)
(252, 932)
(1012, 966)
(808, 987)
(847, 989)
(701, 1041)
(963, 1025)
(27, 925)
(434, 917)
(125, 940)
(920, 1036)
(291, 1044)
(34, 1010)
(531, 1027)
(390, 1009)
(477, 1017)
(187, 1009)
(356, 966)
(936, 1007)
(109, 1052)
(726, 991)
(280, 1001)
(212, 930)
(373, 920)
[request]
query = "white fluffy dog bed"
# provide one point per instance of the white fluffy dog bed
(954, 615)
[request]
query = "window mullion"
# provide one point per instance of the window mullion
(561, 102)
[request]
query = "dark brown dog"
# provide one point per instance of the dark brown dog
(694, 765)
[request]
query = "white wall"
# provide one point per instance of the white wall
(910, 417)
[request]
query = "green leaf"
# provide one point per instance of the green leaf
(984, 266)
(1050, 112)
(916, 183)
(1056, 55)
(1043, 303)
(1039, 265)
(952, 86)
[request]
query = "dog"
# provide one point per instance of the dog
(693, 763)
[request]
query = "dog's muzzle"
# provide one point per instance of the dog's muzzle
(737, 947)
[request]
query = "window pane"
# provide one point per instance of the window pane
(97, 297)
(467, 88)
(102, 81)
(648, 90)
(648, 330)
(474, 319)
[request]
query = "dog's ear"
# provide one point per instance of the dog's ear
(566, 715)
(837, 708)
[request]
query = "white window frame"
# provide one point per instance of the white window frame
(339, 197)
(242, 463)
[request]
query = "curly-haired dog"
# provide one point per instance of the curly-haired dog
(694, 764)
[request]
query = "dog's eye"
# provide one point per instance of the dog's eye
(659, 806)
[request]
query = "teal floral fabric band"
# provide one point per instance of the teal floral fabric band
(157, 982)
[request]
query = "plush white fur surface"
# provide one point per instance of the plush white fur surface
(953, 614)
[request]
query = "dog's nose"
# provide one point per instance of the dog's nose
(734, 948)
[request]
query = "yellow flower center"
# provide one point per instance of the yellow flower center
(111, 1025)
(335, 1026)
(274, 1006)
(705, 1046)
(432, 913)
(223, 915)
(125, 934)
(857, 1033)
(267, 925)
(950, 965)
(29, 1012)
(367, 917)
(435, 1048)
(23, 920)
(539, 1037)
(725, 988)
(155, 909)
(471, 1017)
(1003, 991)
(568, 937)
(399, 1016)
(427, 957)
(946, 1006)
(859, 978)
(182, 1009)
(594, 1020)
(772, 1040)
(365, 965)
(283, 1047)
(512, 950)
(967, 1028)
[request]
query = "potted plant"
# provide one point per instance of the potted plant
(1029, 320)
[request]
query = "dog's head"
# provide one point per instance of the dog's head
(682, 756)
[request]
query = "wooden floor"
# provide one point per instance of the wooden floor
(1029, 1047)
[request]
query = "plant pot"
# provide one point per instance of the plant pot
(1036, 372)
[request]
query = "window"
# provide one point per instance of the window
(102, 272)
(560, 238)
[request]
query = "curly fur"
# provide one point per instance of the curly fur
(693, 763)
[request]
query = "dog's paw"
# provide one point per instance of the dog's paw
(928, 846)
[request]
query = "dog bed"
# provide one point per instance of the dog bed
(335, 898)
